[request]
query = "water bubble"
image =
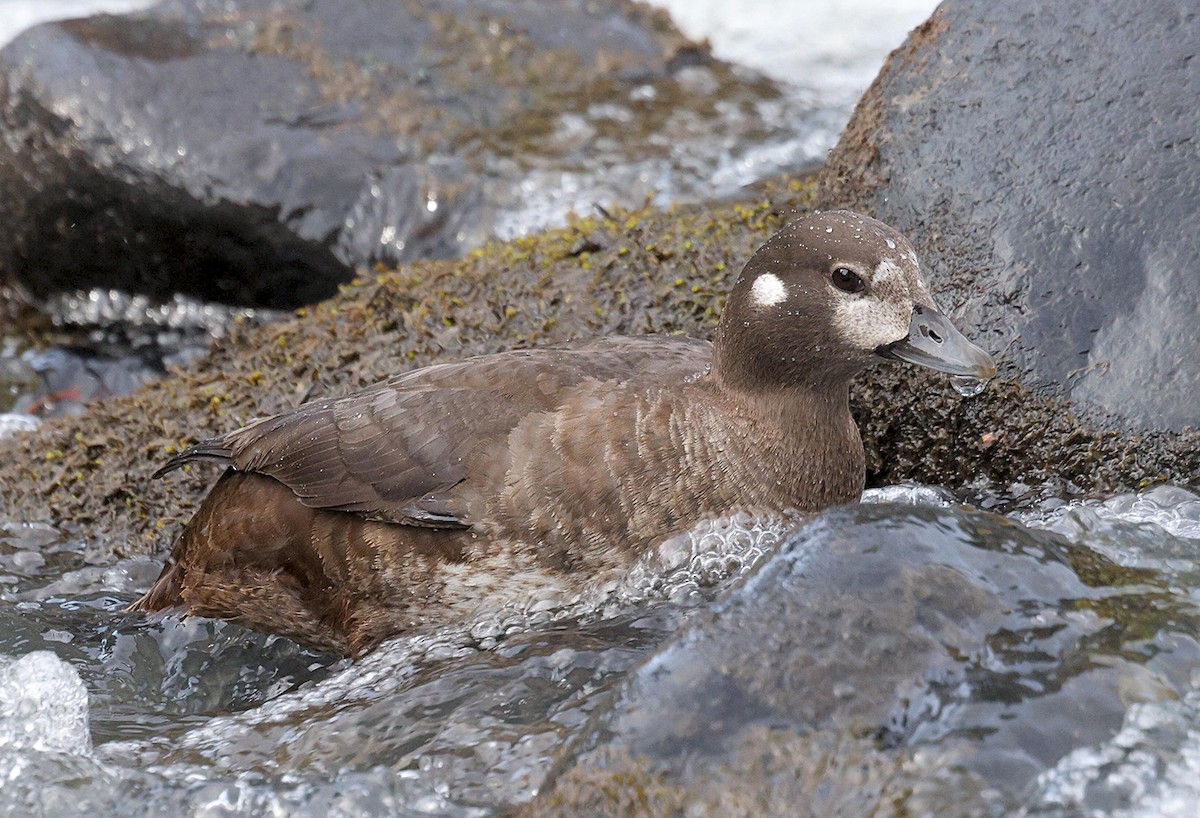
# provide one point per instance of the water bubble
(967, 386)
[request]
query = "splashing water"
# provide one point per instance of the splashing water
(188, 716)
(1149, 769)
(43, 705)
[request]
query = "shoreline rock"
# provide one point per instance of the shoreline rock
(257, 154)
(1050, 190)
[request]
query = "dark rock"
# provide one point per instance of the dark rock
(933, 659)
(1044, 159)
(256, 152)
(71, 378)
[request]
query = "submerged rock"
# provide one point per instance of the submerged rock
(888, 660)
(1044, 160)
(255, 153)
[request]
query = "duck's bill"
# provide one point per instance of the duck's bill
(936, 343)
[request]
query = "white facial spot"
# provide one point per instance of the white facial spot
(768, 290)
(891, 244)
(867, 323)
(871, 322)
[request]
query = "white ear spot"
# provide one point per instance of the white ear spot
(767, 290)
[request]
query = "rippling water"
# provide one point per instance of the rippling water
(1083, 690)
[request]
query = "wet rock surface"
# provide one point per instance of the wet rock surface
(96, 345)
(1043, 158)
(255, 152)
(887, 661)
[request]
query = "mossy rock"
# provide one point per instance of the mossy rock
(621, 272)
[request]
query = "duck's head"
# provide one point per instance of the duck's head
(827, 296)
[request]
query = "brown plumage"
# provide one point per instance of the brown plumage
(413, 502)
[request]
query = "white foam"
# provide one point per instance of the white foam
(18, 15)
(1157, 529)
(836, 46)
(911, 494)
(1169, 509)
(43, 705)
(128, 576)
(14, 423)
(1149, 769)
(713, 551)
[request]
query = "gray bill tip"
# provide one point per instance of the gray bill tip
(936, 343)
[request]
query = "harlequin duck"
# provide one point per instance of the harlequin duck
(409, 503)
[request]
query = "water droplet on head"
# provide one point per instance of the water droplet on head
(967, 386)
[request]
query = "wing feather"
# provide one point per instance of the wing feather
(416, 448)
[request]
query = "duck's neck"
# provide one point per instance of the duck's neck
(806, 436)
(747, 362)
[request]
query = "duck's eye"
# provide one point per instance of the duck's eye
(846, 279)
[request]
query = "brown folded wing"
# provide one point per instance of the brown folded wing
(417, 448)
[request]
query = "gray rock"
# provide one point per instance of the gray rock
(1044, 159)
(255, 152)
(913, 638)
